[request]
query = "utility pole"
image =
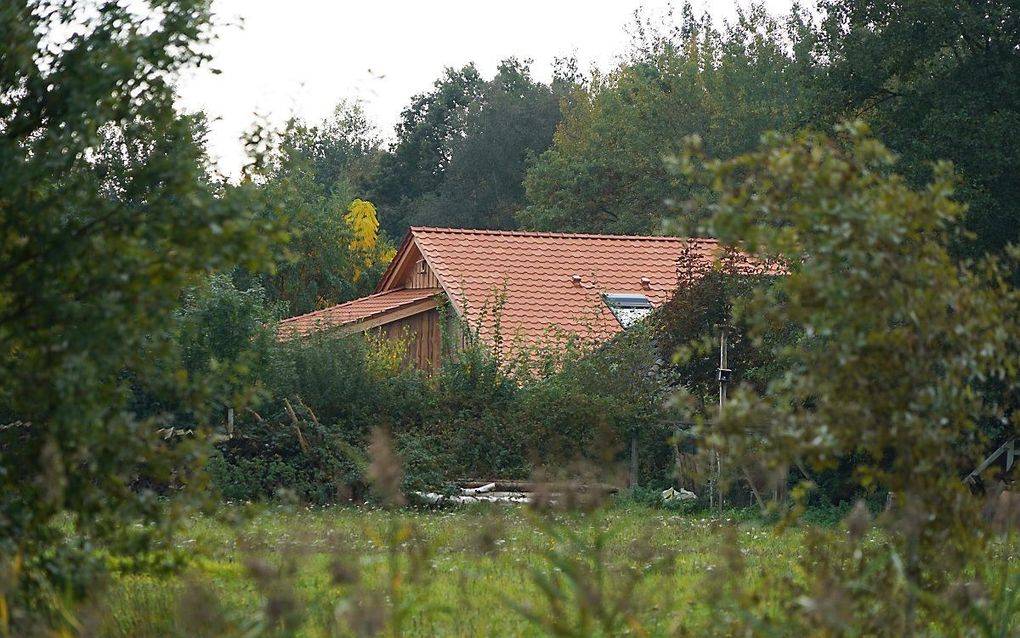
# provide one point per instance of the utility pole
(724, 375)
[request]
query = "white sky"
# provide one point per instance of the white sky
(279, 58)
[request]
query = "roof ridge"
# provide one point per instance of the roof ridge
(535, 233)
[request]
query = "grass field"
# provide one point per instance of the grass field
(465, 572)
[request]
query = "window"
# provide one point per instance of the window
(627, 308)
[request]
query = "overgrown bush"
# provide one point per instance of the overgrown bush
(598, 403)
(476, 417)
(306, 436)
(475, 398)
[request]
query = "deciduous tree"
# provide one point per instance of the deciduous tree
(307, 186)
(461, 150)
(935, 80)
(106, 213)
(900, 341)
(605, 170)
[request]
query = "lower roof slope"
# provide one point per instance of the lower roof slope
(352, 312)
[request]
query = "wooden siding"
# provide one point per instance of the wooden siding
(421, 276)
(422, 330)
(424, 335)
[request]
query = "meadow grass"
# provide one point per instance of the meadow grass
(477, 570)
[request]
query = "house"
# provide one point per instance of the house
(511, 288)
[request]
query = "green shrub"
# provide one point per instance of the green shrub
(251, 479)
(480, 416)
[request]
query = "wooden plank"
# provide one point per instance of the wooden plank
(1008, 445)
(421, 332)
(435, 341)
(529, 486)
(417, 278)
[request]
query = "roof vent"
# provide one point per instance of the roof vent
(576, 279)
(627, 308)
(646, 283)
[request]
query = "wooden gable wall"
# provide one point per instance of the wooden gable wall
(421, 276)
(423, 330)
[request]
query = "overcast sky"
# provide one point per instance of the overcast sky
(300, 57)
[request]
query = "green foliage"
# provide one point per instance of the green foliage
(936, 81)
(605, 171)
(475, 418)
(222, 340)
(900, 339)
(687, 333)
(290, 455)
(425, 134)
(512, 119)
(596, 403)
(307, 435)
(461, 150)
(584, 589)
(472, 571)
(338, 379)
(337, 153)
(227, 336)
(307, 186)
(107, 213)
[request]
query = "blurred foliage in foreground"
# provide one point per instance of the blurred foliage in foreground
(892, 353)
(905, 353)
(106, 213)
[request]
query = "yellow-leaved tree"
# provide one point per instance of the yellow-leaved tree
(363, 221)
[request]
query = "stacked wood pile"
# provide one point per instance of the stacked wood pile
(500, 491)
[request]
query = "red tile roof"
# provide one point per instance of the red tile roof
(552, 282)
(352, 311)
(536, 272)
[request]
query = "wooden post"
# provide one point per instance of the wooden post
(633, 462)
(723, 361)
(230, 423)
(723, 380)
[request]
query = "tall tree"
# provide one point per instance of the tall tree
(462, 149)
(307, 186)
(105, 214)
(605, 170)
(513, 119)
(936, 80)
(425, 137)
(340, 151)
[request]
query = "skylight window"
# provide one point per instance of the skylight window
(627, 308)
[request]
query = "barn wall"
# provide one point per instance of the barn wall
(424, 338)
(423, 331)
